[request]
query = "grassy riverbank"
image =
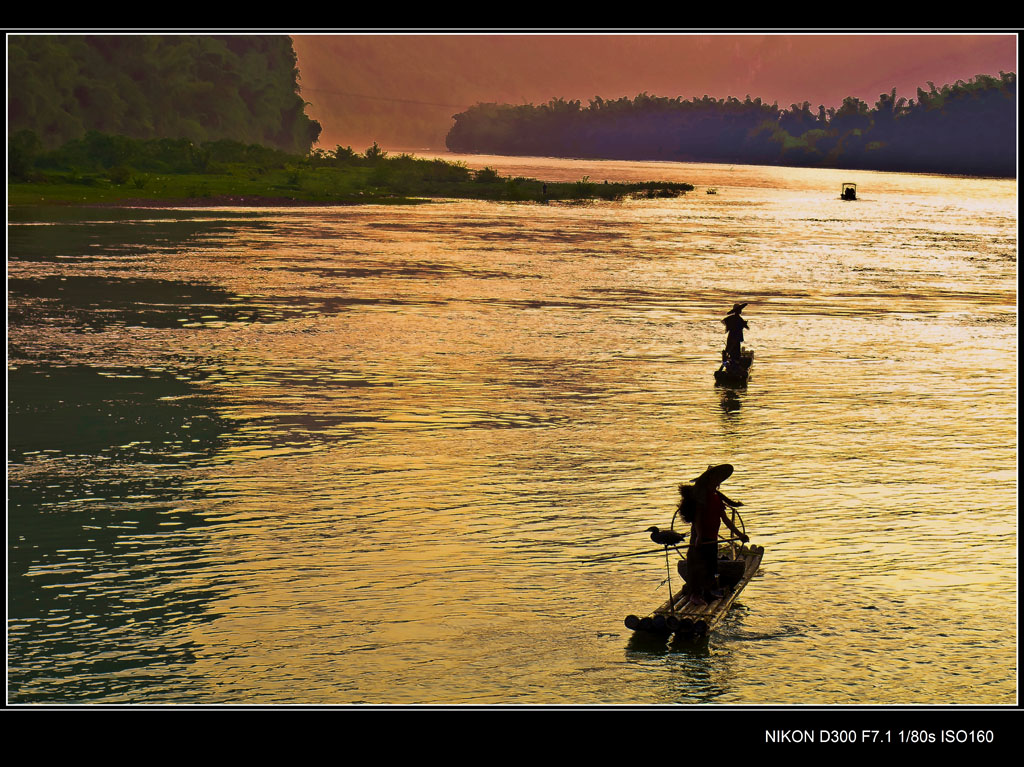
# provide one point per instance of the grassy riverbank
(321, 186)
(108, 170)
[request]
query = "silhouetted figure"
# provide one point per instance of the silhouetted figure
(704, 507)
(734, 326)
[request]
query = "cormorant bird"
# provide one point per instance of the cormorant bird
(666, 537)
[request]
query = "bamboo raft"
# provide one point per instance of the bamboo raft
(690, 622)
(737, 374)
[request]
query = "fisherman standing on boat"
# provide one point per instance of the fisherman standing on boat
(734, 325)
(703, 505)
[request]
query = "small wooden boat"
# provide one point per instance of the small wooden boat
(685, 621)
(735, 373)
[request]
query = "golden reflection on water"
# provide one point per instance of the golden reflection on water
(414, 426)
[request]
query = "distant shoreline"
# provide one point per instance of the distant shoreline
(499, 190)
(967, 128)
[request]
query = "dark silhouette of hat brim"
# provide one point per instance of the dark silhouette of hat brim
(715, 475)
(737, 308)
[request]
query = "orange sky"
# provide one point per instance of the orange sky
(402, 90)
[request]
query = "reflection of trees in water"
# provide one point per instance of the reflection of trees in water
(105, 557)
(98, 302)
(102, 302)
(82, 236)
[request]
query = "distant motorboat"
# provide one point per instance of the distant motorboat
(712, 191)
(848, 192)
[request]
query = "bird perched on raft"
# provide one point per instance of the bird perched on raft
(666, 537)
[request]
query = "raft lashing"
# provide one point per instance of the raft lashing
(685, 621)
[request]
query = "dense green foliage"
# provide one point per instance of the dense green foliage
(101, 153)
(103, 168)
(967, 128)
(196, 87)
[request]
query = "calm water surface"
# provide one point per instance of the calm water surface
(365, 454)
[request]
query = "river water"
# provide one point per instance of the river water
(374, 454)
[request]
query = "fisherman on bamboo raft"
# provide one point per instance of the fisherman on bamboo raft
(734, 326)
(703, 505)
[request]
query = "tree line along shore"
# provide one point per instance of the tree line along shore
(111, 169)
(964, 128)
(205, 91)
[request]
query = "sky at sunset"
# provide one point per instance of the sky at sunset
(401, 90)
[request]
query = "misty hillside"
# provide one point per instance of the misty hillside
(201, 88)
